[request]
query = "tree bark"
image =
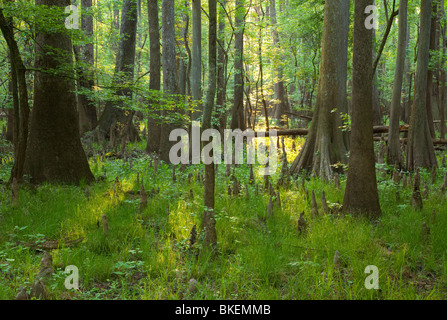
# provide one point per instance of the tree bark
(54, 151)
(361, 195)
(406, 108)
(325, 144)
(208, 222)
(124, 70)
(221, 72)
(394, 155)
(237, 113)
(261, 73)
(196, 62)
(169, 73)
(442, 80)
(281, 104)
(377, 114)
(430, 73)
(85, 54)
(154, 127)
(20, 99)
(420, 149)
(183, 56)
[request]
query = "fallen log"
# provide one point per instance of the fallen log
(405, 140)
(304, 132)
(288, 132)
(386, 129)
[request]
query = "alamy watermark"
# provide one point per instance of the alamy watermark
(72, 280)
(72, 21)
(212, 152)
(372, 281)
(372, 21)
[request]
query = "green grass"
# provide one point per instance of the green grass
(146, 254)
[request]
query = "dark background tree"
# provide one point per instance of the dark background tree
(169, 73)
(237, 113)
(85, 54)
(154, 127)
(209, 222)
(124, 72)
(20, 98)
(394, 154)
(420, 150)
(280, 95)
(196, 57)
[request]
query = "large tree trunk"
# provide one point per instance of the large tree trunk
(124, 70)
(208, 222)
(86, 107)
(154, 127)
(420, 149)
(169, 73)
(394, 155)
(361, 195)
(281, 104)
(237, 113)
(54, 151)
(325, 144)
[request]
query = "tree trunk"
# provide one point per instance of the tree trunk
(20, 99)
(183, 56)
(405, 113)
(361, 195)
(420, 149)
(442, 80)
(124, 70)
(394, 155)
(208, 222)
(377, 114)
(196, 62)
(115, 26)
(86, 107)
(237, 113)
(429, 92)
(54, 151)
(154, 127)
(169, 73)
(221, 71)
(10, 123)
(325, 144)
(281, 104)
(261, 73)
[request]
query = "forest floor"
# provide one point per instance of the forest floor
(146, 254)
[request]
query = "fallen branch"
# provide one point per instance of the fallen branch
(48, 244)
(309, 118)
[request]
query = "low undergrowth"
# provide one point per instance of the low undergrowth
(147, 253)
